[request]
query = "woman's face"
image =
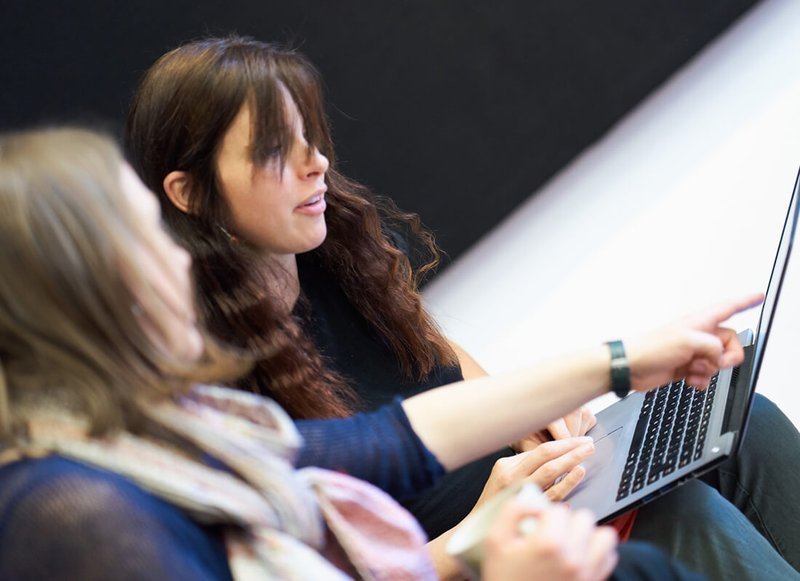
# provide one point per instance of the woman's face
(167, 267)
(280, 210)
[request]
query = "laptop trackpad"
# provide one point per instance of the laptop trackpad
(604, 454)
(599, 485)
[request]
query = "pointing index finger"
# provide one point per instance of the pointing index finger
(728, 309)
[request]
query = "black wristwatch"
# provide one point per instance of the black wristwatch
(620, 370)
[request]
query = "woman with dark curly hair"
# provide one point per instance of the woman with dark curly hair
(313, 275)
(170, 135)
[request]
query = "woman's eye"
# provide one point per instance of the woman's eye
(271, 155)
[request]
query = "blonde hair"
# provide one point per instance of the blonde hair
(70, 329)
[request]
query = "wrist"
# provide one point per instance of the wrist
(620, 369)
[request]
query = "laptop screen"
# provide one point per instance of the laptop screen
(775, 281)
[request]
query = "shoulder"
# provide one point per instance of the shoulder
(52, 487)
(59, 518)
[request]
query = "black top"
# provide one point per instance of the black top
(355, 350)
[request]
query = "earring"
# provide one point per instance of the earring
(233, 239)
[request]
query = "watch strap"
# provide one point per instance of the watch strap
(620, 369)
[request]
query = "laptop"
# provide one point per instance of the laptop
(646, 444)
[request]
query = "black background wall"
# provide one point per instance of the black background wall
(458, 109)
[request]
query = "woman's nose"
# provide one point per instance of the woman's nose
(316, 163)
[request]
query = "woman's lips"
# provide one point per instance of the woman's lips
(314, 206)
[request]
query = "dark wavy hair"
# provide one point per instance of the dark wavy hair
(179, 115)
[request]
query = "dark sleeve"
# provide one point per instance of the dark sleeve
(379, 447)
(63, 520)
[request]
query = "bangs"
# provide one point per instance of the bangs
(286, 74)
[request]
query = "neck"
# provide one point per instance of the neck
(282, 281)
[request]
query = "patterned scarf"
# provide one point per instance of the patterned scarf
(284, 523)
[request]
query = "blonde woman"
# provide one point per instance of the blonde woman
(117, 464)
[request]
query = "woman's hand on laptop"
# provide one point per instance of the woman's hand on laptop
(695, 347)
(576, 423)
(573, 424)
(555, 460)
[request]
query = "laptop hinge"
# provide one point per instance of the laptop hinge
(739, 392)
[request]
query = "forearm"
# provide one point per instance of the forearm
(466, 420)
(447, 568)
(379, 447)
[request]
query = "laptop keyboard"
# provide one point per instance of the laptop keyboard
(670, 433)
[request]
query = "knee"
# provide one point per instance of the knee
(765, 413)
(768, 427)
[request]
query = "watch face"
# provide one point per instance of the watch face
(619, 363)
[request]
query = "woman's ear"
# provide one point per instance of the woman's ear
(177, 186)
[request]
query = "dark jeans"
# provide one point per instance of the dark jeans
(742, 520)
(643, 562)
